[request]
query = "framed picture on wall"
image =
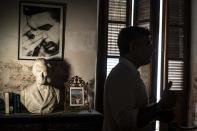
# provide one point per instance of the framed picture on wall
(41, 30)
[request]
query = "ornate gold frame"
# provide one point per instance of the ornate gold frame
(76, 82)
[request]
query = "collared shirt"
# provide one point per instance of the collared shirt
(125, 93)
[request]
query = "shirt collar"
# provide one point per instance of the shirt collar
(127, 62)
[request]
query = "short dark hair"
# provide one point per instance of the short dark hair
(32, 10)
(130, 35)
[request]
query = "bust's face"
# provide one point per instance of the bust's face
(40, 72)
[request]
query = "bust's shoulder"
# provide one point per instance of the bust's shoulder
(56, 90)
(31, 87)
(57, 93)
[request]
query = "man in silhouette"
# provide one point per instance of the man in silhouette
(126, 106)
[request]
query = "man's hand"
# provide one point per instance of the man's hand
(168, 99)
(166, 116)
(32, 39)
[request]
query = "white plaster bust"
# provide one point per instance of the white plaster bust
(41, 97)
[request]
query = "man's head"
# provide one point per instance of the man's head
(40, 70)
(43, 23)
(134, 44)
(33, 10)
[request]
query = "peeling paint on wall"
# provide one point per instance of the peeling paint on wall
(14, 77)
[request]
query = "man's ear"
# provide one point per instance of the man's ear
(132, 47)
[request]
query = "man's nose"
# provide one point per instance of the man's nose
(44, 74)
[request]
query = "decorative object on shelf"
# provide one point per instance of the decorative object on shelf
(42, 96)
(12, 103)
(7, 102)
(41, 30)
(76, 95)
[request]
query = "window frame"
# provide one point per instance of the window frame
(182, 95)
(101, 71)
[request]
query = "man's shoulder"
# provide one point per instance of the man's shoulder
(121, 73)
(122, 69)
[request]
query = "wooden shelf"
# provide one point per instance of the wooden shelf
(72, 121)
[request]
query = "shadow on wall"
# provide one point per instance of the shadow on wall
(91, 93)
(60, 74)
(2, 105)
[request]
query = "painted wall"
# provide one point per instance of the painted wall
(79, 51)
(193, 96)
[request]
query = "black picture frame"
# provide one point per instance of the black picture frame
(41, 30)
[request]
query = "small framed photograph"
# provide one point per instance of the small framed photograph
(76, 96)
(41, 30)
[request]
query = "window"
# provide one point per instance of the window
(176, 48)
(113, 16)
(116, 14)
(175, 43)
(117, 19)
